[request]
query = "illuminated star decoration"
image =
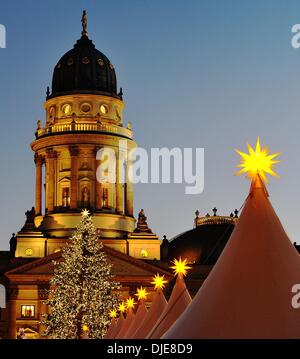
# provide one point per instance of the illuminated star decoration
(180, 266)
(85, 213)
(130, 303)
(113, 313)
(159, 281)
(257, 162)
(141, 293)
(122, 307)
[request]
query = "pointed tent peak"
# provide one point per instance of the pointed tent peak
(257, 162)
(258, 183)
(179, 300)
(84, 23)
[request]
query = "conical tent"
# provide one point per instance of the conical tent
(158, 305)
(129, 318)
(111, 328)
(117, 327)
(139, 317)
(178, 302)
(248, 292)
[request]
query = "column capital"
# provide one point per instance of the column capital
(38, 159)
(51, 153)
(74, 150)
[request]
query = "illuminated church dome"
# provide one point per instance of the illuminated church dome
(204, 243)
(84, 69)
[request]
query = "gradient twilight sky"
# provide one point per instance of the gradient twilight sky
(197, 73)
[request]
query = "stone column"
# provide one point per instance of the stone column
(98, 187)
(42, 308)
(129, 192)
(119, 184)
(50, 179)
(12, 294)
(74, 151)
(38, 183)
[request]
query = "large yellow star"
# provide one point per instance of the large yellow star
(159, 281)
(141, 293)
(113, 313)
(130, 303)
(257, 162)
(122, 307)
(180, 267)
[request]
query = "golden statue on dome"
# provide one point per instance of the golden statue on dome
(84, 23)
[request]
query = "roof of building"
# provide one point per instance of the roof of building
(84, 69)
(203, 244)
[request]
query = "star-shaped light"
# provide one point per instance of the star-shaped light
(130, 303)
(257, 162)
(141, 293)
(180, 266)
(159, 281)
(122, 307)
(85, 213)
(85, 328)
(113, 313)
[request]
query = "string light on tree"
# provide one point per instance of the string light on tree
(257, 162)
(83, 291)
(159, 281)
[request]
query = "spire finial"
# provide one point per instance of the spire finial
(84, 23)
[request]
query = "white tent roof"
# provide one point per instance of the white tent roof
(139, 317)
(129, 318)
(248, 292)
(157, 307)
(178, 302)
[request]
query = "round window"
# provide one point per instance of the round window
(85, 107)
(103, 109)
(67, 109)
(29, 252)
(144, 253)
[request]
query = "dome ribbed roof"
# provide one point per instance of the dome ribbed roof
(84, 69)
(201, 245)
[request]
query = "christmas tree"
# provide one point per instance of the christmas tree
(82, 291)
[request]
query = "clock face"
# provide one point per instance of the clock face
(103, 109)
(29, 252)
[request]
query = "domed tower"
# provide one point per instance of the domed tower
(84, 113)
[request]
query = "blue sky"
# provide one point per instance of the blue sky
(212, 74)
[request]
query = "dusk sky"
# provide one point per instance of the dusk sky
(212, 74)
